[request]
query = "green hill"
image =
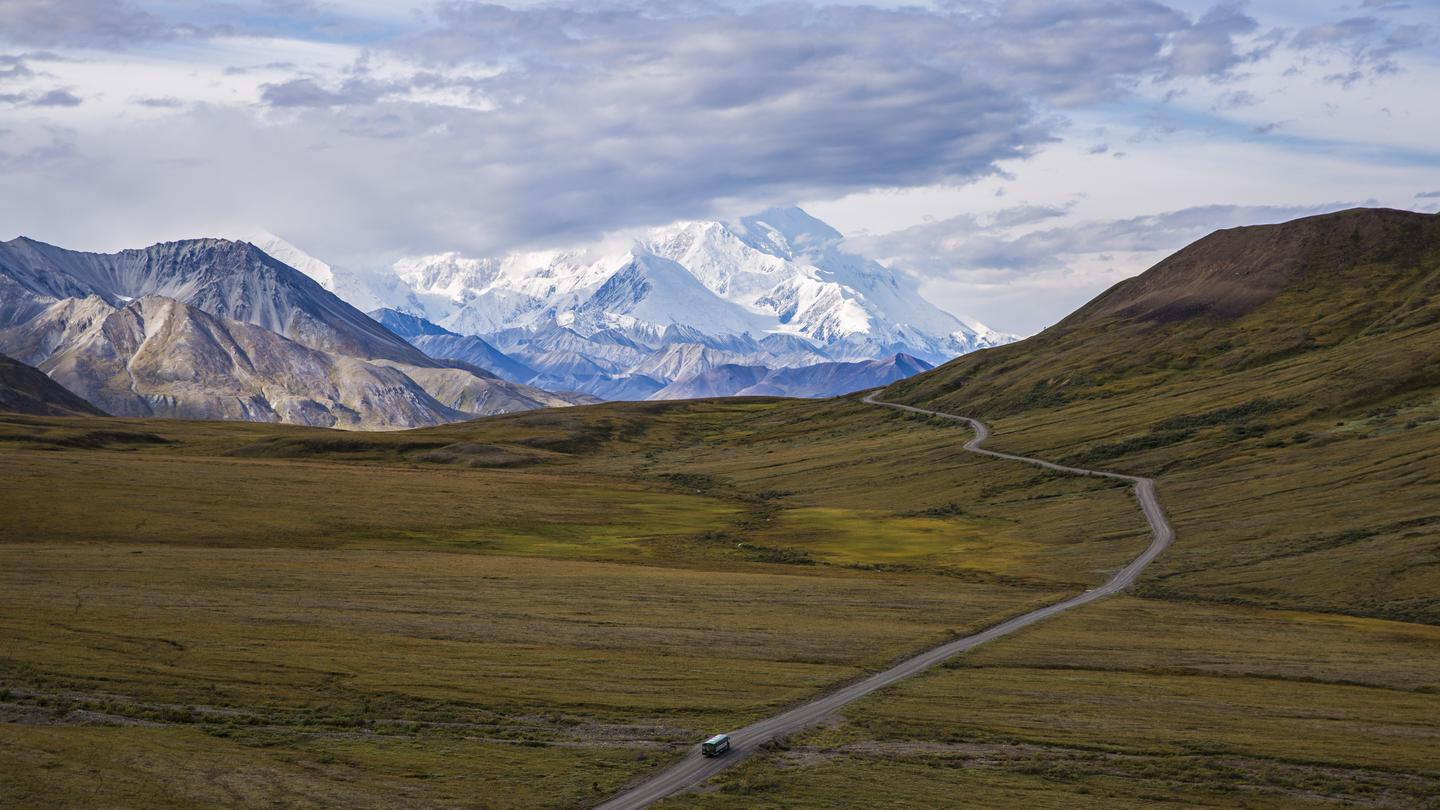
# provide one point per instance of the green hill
(1282, 381)
(1353, 297)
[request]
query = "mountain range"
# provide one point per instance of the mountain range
(776, 290)
(257, 329)
(217, 329)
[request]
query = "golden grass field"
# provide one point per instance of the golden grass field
(1283, 653)
(199, 613)
(529, 611)
(1137, 702)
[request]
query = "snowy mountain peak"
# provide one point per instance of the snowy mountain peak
(788, 232)
(774, 289)
(295, 257)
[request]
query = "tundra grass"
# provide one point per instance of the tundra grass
(1297, 448)
(614, 582)
(137, 766)
(562, 600)
(458, 637)
(1133, 702)
(689, 483)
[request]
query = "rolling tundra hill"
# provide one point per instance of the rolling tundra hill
(1351, 297)
(24, 389)
(1283, 384)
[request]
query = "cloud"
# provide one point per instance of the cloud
(309, 93)
(1343, 32)
(1207, 48)
(1236, 99)
(51, 98)
(965, 243)
(14, 67)
(55, 150)
(559, 122)
(1369, 43)
(484, 128)
(163, 103)
(1267, 128)
(56, 98)
(1026, 215)
(1428, 195)
(78, 23)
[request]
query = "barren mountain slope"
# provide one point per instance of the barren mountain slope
(25, 389)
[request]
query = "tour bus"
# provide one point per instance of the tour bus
(715, 746)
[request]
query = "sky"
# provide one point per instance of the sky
(1016, 157)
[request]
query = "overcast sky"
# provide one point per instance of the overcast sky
(1017, 157)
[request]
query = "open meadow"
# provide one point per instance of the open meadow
(533, 610)
(526, 611)
(1283, 652)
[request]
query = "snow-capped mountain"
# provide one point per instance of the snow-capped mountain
(781, 272)
(775, 290)
(366, 291)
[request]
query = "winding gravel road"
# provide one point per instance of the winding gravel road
(694, 768)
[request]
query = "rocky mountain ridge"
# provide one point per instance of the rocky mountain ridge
(217, 329)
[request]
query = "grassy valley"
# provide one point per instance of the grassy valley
(1283, 652)
(526, 611)
(532, 610)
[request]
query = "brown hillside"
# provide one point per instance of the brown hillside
(24, 389)
(1359, 289)
(1282, 384)
(1232, 272)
